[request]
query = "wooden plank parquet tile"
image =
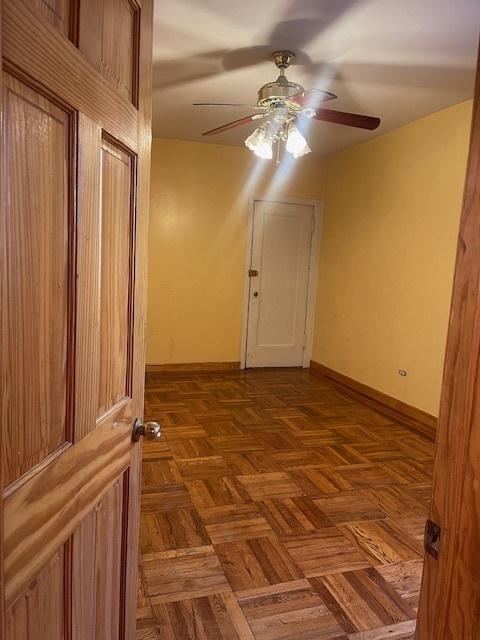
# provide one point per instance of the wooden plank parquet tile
(277, 508)
(177, 432)
(264, 486)
(341, 454)
(192, 448)
(382, 542)
(317, 481)
(173, 529)
(380, 451)
(204, 467)
(405, 578)
(159, 473)
(401, 631)
(166, 498)
(365, 475)
(289, 611)
(362, 600)
(252, 462)
(293, 515)
(323, 552)
(350, 506)
(171, 576)
(221, 428)
(214, 617)
(235, 522)
(236, 444)
(215, 492)
(397, 502)
(256, 563)
(296, 458)
(414, 526)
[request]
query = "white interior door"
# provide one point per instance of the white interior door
(281, 253)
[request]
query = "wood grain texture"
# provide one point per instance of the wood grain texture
(102, 25)
(35, 290)
(450, 593)
(139, 297)
(116, 277)
(401, 631)
(275, 490)
(89, 92)
(97, 568)
(59, 13)
(215, 616)
(42, 601)
(256, 562)
(88, 485)
(411, 416)
(289, 611)
(3, 250)
(85, 471)
(89, 232)
(172, 576)
(362, 600)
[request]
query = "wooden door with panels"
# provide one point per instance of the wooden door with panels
(280, 283)
(76, 94)
(450, 596)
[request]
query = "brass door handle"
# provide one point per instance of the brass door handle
(149, 430)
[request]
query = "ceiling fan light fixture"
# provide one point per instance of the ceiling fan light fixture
(260, 144)
(256, 138)
(296, 143)
(264, 150)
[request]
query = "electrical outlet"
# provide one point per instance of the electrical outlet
(402, 372)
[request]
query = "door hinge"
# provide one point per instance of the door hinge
(313, 224)
(304, 346)
(252, 273)
(431, 541)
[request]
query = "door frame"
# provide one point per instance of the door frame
(312, 272)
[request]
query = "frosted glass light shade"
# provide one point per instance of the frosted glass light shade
(296, 143)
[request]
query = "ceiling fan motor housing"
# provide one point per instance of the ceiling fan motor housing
(279, 91)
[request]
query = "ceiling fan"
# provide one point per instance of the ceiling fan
(281, 106)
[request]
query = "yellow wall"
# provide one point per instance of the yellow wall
(392, 209)
(198, 217)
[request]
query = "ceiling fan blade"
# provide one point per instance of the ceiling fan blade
(349, 119)
(226, 104)
(232, 125)
(311, 97)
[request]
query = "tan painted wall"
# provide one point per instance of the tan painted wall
(392, 209)
(198, 218)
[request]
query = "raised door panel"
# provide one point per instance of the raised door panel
(285, 244)
(40, 612)
(97, 565)
(108, 37)
(116, 278)
(59, 13)
(36, 280)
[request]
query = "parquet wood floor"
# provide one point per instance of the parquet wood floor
(277, 508)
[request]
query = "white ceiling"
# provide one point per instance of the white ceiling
(396, 59)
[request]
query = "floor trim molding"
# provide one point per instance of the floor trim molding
(192, 367)
(417, 418)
